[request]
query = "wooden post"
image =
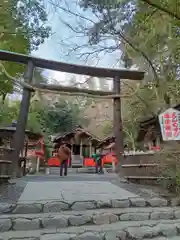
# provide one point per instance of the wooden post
(71, 154)
(118, 128)
(81, 148)
(90, 148)
(25, 158)
(113, 165)
(18, 140)
(37, 165)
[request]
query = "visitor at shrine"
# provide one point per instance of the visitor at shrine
(97, 160)
(95, 157)
(64, 154)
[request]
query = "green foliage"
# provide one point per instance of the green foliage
(169, 167)
(47, 152)
(22, 29)
(62, 117)
(34, 119)
(130, 130)
(43, 118)
(8, 112)
(107, 128)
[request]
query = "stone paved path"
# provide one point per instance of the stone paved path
(11, 193)
(73, 191)
(87, 208)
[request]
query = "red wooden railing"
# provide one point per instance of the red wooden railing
(88, 161)
(107, 159)
(55, 162)
(34, 152)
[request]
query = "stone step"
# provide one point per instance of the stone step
(55, 170)
(79, 218)
(86, 170)
(90, 170)
(120, 230)
(164, 238)
(57, 206)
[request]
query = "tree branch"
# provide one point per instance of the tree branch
(134, 47)
(140, 98)
(71, 12)
(172, 14)
(143, 55)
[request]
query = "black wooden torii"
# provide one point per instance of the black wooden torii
(32, 62)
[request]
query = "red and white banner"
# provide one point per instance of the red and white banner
(170, 124)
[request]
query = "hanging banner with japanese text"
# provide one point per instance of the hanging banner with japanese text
(170, 124)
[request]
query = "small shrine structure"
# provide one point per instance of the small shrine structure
(6, 151)
(83, 144)
(107, 143)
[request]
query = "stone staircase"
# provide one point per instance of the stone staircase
(123, 219)
(87, 170)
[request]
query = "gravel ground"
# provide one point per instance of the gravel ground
(145, 191)
(10, 193)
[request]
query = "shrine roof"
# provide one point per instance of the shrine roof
(108, 138)
(62, 135)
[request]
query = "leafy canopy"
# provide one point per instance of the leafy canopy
(62, 117)
(23, 27)
(147, 34)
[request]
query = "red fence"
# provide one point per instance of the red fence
(55, 162)
(107, 159)
(88, 162)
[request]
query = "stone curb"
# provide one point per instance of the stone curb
(57, 221)
(57, 206)
(136, 233)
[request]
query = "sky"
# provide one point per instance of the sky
(53, 49)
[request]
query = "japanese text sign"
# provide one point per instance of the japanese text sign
(170, 124)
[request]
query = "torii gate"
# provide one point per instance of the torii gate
(32, 62)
